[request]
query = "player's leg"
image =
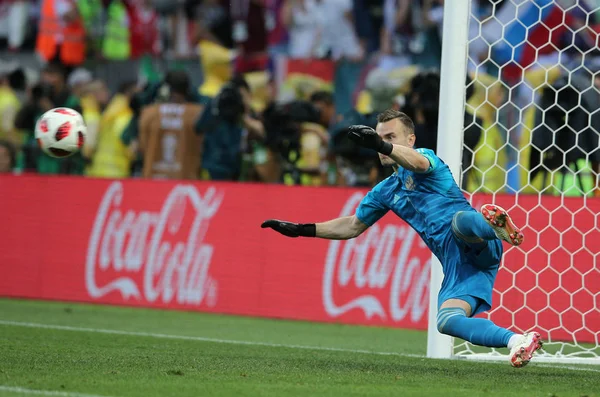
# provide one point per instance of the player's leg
(471, 265)
(454, 319)
(493, 222)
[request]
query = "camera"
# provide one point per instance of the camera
(283, 125)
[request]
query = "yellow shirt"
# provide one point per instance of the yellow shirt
(112, 158)
(217, 66)
(9, 106)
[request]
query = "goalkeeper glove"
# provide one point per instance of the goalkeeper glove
(291, 229)
(367, 137)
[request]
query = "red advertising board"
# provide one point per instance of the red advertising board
(199, 246)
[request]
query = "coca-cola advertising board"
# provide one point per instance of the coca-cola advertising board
(199, 246)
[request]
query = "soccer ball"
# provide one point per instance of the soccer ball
(60, 132)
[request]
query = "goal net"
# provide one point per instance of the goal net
(531, 145)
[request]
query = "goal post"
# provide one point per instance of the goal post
(534, 67)
(449, 142)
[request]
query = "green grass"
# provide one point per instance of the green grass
(77, 361)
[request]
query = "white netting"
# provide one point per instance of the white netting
(536, 97)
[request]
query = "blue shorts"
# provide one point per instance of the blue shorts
(468, 273)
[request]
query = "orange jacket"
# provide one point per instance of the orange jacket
(72, 50)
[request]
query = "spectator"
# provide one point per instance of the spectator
(39, 101)
(116, 45)
(112, 158)
(51, 92)
(323, 102)
(169, 145)
(302, 21)
(223, 122)
(211, 21)
(148, 95)
(11, 80)
(13, 22)
(313, 153)
(368, 18)
(303, 147)
(54, 78)
(78, 80)
(339, 41)
(352, 165)
(61, 35)
(216, 66)
(94, 98)
(277, 35)
(144, 32)
(249, 34)
(296, 144)
(408, 30)
(7, 157)
(338, 38)
(319, 29)
(92, 16)
(566, 149)
(422, 105)
(81, 86)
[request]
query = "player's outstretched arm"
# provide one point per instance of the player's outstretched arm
(409, 158)
(336, 229)
(406, 157)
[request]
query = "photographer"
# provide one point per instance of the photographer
(227, 124)
(170, 148)
(354, 165)
(148, 95)
(422, 105)
(296, 143)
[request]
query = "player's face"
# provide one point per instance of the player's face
(394, 132)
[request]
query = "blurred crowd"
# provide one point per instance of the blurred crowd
(281, 80)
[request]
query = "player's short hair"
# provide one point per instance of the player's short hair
(391, 114)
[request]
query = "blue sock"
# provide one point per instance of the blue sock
(470, 225)
(479, 331)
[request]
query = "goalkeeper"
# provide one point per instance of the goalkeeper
(468, 243)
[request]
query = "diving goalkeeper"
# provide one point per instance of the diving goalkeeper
(468, 243)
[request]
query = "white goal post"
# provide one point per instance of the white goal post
(451, 121)
(550, 284)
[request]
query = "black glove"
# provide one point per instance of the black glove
(367, 137)
(291, 229)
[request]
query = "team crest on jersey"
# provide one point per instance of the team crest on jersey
(409, 183)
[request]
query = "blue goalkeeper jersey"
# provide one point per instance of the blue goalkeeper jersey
(426, 201)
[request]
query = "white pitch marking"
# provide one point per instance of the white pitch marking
(248, 343)
(197, 338)
(24, 390)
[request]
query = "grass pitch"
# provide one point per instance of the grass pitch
(72, 350)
